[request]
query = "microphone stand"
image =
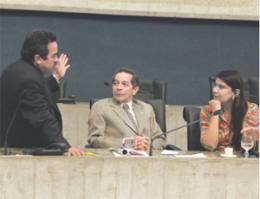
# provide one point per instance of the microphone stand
(218, 112)
(167, 132)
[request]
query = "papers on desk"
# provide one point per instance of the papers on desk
(124, 152)
(169, 152)
(128, 152)
(175, 154)
(196, 155)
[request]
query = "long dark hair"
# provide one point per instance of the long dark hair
(239, 106)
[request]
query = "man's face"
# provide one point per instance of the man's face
(122, 89)
(51, 59)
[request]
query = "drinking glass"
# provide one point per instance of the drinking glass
(247, 143)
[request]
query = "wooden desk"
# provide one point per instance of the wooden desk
(105, 176)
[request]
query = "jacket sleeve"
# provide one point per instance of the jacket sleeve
(96, 127)
(37, 110)
(160, 141)
(54, 87)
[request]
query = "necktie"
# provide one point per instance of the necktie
(130, 116)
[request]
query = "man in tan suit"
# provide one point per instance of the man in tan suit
(113, 119)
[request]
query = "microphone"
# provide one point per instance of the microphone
(10, 125)
(215, 113)
(106, 83)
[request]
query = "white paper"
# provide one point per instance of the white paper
(128, 152)
(169, 152)
(197, 155)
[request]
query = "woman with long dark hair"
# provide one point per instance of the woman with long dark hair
(237, 115)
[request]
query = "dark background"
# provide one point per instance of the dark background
(184, 52)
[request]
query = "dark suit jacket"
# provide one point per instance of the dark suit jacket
(38, 122)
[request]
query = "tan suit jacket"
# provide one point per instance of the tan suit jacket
(108, 124)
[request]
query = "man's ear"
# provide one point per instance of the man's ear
(136, 89)
(37, 59)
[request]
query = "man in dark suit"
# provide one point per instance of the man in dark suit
(28, 110)
(113, 119)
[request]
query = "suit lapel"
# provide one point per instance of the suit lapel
(139, 114)
(122, 115)
(49, 98)
(47, 91)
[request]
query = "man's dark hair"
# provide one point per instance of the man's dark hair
(36, 42)
(134, 80)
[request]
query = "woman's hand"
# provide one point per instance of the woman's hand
(214, 105)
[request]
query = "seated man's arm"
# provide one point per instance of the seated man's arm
(160, 142)
(96, 127)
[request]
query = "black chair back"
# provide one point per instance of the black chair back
(159, 110)
(191, 114)
(254, 89)
(92, 101)
(152, 89)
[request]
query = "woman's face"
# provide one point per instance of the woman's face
(222, 92)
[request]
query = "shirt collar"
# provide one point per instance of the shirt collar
(130, 105)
